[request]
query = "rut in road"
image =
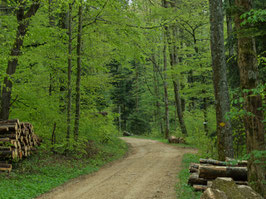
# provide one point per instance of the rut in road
(149, 171)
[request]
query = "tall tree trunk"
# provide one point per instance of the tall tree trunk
(229, 25)
(171, 38)
(69, 89)
(137, 86)
(248, 67)
(79, 48)
(223, 126)
(203, 81)
(157, 114)
(23, 20)
(173, 63)
(119, 119)
(166, 102)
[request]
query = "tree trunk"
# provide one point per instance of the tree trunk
(23, 20)
(223, 126)
(248, 68)
(173, 62)
(79, 48)
(229, 25)
(167, 125)
(69, 89)
(158, 120)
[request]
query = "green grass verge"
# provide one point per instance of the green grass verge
(45, 171)
(183, 190)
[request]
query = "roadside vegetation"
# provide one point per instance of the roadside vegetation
(183, 190)
(46, 170)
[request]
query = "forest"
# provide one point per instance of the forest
(83, 72)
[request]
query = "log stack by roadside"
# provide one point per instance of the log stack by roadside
(207, 170)
(17, 140)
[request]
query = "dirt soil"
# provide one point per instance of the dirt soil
(149, 171)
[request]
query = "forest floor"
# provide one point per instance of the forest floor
(149, 171)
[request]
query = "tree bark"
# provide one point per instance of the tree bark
(167, 124)
(69, 89)
(171, 38)
(79, 48)
(222, 102)
(248, 68)
(23, 20)
(212, 172)
(229, 25)
(157, 95)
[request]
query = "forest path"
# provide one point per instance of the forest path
(149, 171)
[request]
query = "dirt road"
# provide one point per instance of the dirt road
(149, 171)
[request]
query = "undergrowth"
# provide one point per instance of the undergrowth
(45, 170)
(183, 190)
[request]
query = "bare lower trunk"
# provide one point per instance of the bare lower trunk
(248, 68)
(69, 89)
(229, 24)
(158, 120)
(79, 48)
(167, 125)
(205, 114)
(224, 131)
(23, 24)
(171, 38)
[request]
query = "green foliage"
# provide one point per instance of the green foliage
(183, 190)
(138, 123)
(254, 16)
(196, 134)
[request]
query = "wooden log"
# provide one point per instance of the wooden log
(5, 148)
(10, 127)
(228, 162)
(16, 144)
(6, 167)
(194, 179)
(213, 162)
(240, 163)
(4, 153)
(4, 139)
(212, 172)
(199, 187)
(13, 121)
(11, 136)
(4, 128)
(193, 168)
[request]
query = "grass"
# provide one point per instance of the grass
(45, 171)
(183, 190)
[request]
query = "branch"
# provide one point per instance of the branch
(135, 26)
(32, 10)
(146, 82)
(98, 14)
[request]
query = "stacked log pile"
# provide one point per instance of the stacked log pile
(17, 140)
(176, 140)
(207, 170)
